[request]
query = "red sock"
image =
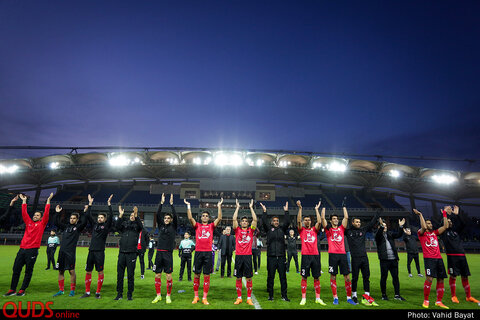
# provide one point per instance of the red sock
(333, 285)
(348, 288)
(88, 282)
(316, 285)
(303, 286)
(196, 285)
(169, 286)
(100, 282)
(61, 285)
(238, 286)
(466, 286)
(426, 289)
(249, 288)
(158, 285)
(206, 286)
(453, 286)
(72, 286)
(440, 291)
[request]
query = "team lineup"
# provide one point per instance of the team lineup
(346, 238)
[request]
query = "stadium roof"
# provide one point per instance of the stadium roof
(187, 164)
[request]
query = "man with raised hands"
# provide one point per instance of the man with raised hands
(28, 252)
(244, 235)
(434, 266)
(203, 249)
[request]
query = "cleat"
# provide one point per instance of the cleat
(238, 301)
(303, 301)
(455, 299)
(59, 293)
(195, 300)
(400, 298)
(9, 293)
(72, 293)
(157, 298)
(205, 302)
(366, 303)
(86, 295)
(335, 301)
(320, 301)
(472, 299)
(118, 297)
(249, 301)
(425, 304)
(21, 293)
(168, 299)
(441, 305)
(97, 295)
(351, 302)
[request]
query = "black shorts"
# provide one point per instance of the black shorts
(66, 260)
(243, 266)
(310, 263)
(338, 261)
(435, 268)
(97, 259)
(202, 262)
(163, 262)
(458, 266)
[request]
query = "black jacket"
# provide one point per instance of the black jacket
(70, 232)
(166, 233)
(381, 243)
(99, 230)
(411, 243)
(356, 238)
(276, 235)
(224, 243)
(130, 232)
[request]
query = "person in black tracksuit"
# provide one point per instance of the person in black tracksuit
(388, 256)
(127, 256)
(68, 246)
(101, 226)
(292, 249)
(356, 240)
(276, 250)
(412, 251)
(142, 245)
(226, 245)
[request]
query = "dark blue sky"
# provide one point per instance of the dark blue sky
(370, 77)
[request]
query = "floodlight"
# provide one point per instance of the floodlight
(444, 179)
(228, 160)
(395, 173)
(336, 166)
(54, 165)
(119, 161)
(11, 169)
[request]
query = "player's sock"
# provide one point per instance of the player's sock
(72, 286)
(466, 287)
(316, 285)
(88, 282)
(348, 288)
(100, 282)
(440, 291)
(453, 286)
(303, 286)
(169, 286)
(158, 286)
(206, 286)
(238, 286)
(61, 285)
(196, 285)
(427, 286)
(333, 286)
(249, 289)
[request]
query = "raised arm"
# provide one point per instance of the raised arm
(159, 211)
(299, 214)
(110, 212)
(189, 213)
(322, 217)
(174, 213)
(345, 217)
(264, 218)
(286, 219)
(254, 215)
(235, 215)
(445, 223)
(5, 216)
(318, 224)
(423, 225)
(219, 216)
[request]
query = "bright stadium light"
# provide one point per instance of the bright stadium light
(259, 162)
(197, 161)
(10, 170)
(336, 166)
(228, 160)
(119, 161)
(250, 162)
(284, 164)
(54, 165)
(394, 173)
(172, 161)
(444, 179)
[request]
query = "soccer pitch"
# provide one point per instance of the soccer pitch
(222, 291)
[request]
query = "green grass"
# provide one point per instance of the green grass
(222, 292)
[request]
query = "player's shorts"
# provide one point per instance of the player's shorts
(435, 268)
(338, 261)
(243, 266)
(458, 266)
(66, 260)
(310, 263)
(202, 262)
(163, 262)
(97, 259)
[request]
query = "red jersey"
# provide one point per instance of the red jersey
(204, 236)
(32, 237)
(336, 239)
(243, 241)
(309, 240)
(429, 242)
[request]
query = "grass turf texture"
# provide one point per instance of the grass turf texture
(222, 293)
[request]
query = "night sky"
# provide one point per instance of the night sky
(369, 77)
